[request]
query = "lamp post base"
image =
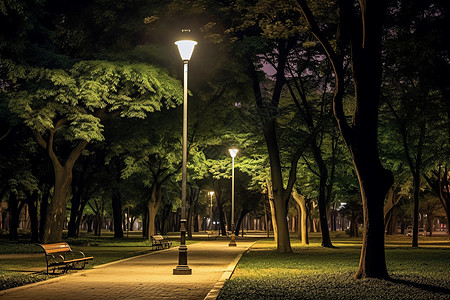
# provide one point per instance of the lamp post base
(182, 270)
(182, 267)
(232, 241)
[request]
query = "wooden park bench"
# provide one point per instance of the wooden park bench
(160, 242)
(60, 255)
(211, 234)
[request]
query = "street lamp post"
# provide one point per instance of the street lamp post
(185, 47)
(210, 211)
(233, 153)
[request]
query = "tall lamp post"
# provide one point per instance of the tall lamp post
(210, 211)
(233, 153)
(185, 47)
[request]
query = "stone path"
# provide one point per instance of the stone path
(148, 276)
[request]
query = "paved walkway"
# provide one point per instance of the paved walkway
(148, 276)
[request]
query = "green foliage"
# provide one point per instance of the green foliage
(88, 93)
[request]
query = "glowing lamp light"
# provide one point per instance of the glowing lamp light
(186, 47)
(233, 152)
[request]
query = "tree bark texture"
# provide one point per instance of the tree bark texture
(361, 24)
(56, 211)
(153, 205)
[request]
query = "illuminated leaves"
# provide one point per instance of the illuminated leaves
(43, 96)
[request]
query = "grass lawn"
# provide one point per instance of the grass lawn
(23, 262)
(313, 272)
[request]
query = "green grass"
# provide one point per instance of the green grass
(313, 272)
(23, 262)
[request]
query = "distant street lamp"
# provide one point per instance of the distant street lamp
(210, 211)
(185, 47)
(233, 153)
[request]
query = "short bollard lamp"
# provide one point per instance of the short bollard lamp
(185, 47)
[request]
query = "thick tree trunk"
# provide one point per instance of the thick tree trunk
(362, 26)
(152, 211)
(374, 184)
(56, 211)
(117, 213)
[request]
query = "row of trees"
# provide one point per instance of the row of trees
(89, 110)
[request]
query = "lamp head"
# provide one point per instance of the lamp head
(211, 193)
(186, 45)
(233, 152)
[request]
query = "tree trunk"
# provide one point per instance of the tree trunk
(153, 206)
(221, 218)
(393, 198)
(72, 227)
(272, 212)
(243, 213)
(266, 220)
(145, 224)
(117, 213)
(14, 212)
(300, 199)
(43, 212)
(322, 201)
(32, 201)
(354, 225)
(56, 212)
(441, 186)
(267, 113)
(362, 26)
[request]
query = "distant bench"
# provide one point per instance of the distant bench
(59, 255)
(211, 234)
(160, 242)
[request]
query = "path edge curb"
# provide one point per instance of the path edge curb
(214, 292)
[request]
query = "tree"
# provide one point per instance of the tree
(67, 107)
(410, 93)
(360, 25)
(152, 157)
(440, 183)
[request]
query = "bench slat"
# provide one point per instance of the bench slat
(55, 248)
(78, 259)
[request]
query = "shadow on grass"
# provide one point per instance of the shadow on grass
(29, 272)
(422, 286)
